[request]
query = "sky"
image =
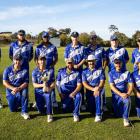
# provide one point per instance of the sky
(35, 16)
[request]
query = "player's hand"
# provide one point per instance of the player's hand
(15, 90)
(96, 91)
(124, 95)
(72, 95)
(138, 94)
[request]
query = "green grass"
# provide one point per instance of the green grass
(12, 125)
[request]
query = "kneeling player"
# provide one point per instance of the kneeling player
(44, 83)
(94, 80)
(121, 85)
(136, 78)
(69, 86)
(16, 80)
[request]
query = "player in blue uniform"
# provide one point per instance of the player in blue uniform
(116, 51)
(15, 79)
(93, 80)
(121, 85)
(100, 54)
(1, 106)
(50, 52)
(69, 85)
(136, 78)
(136, 55)
(76, 51)
(44, 83)
(22, 47)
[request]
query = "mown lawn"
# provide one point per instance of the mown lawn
(12, 125)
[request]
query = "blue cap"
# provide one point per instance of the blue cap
(21, 32)
(113, 37)
(45, 34)
(75, 34)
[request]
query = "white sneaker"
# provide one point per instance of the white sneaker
(25, 116)
(83, 107)
(105, 109)
(1, 106)
(76, 118)
(126, 122)
(50, 118)
(34, 105)
(98, 118)
(55, 104)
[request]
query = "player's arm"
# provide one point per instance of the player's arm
(23, 86)
(85, 84)
(7, 85)
(78, 88)
(114, 89)
(130, 88)
(36, 85)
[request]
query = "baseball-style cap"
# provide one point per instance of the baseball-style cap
(45, 34)
(21, 32)
(113, 37)
(91, 58)
(117, 60)
(17, 57)
(75, 34)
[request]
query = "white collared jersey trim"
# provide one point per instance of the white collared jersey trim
(69, 78)
(76, 52)
(117, 54)
(95, 75)
(122, 77)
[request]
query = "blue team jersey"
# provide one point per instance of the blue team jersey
(77, 53)
(136, 79)
(120, 79)
(99, 54)
(15, 78)
(37, 78)
(135, 57)
(26, 51)
(120, 53)
(50, 52)
(67, 83)
(93, 77)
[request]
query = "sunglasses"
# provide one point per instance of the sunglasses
(69, 62)
(21, 34)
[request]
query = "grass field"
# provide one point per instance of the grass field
(13, 126)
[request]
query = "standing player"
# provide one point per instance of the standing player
(23, 48)
(15, 79)
(76, 51)
(136, 55)
(98, 51)
(93, 80)
(50, 52)
(43, 82)
(136, 78)
(121, 85)
(69, 86)
(116, 51)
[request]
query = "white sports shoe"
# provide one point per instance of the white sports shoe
(98, 118)
(76, 118)
(34, 105)
(1, 106)
(25, 116)
(126, 122)
(83, 107)
(50, 118)
(55, 104)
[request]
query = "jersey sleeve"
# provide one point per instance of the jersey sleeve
(79, 78)
(34, 78)
(110, 76)
(11, 51)
(84, 79)
(58, 81)
(130, 78)
(5, 74)
(26, 77)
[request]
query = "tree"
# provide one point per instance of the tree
(113, 28)
(63, 39)
(84, 38)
